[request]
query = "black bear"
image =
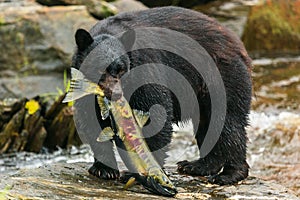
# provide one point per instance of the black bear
(226, 162)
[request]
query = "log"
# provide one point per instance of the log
(60, 126)
(10, 134)
(34, 126)
(27, 126)
(8, 108)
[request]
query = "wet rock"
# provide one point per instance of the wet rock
(231, 13)
(276, 84)
(182, 3)
(60, 2)
(98, 8)
(273, 29)
(72, 181)
(128, 5)
(29, 86)
(37, 39)
(274, 147)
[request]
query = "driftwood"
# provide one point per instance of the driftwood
(27, 125)
(60, 126)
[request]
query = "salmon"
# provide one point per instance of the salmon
(126, 131)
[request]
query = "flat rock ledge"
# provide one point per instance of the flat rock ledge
(72, 181)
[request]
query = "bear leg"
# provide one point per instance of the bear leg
(226, 162)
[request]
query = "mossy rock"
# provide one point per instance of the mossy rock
(273, 29)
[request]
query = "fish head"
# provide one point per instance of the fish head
(159, 186)
(158, 183)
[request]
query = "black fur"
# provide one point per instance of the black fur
(232, 61)
(83, 39)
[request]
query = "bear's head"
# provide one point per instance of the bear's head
(103, 58)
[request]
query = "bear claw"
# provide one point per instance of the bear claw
(196, 168)
(104, 172)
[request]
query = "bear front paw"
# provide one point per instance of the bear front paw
(104, 172)
(197, 168)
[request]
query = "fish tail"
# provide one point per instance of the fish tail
(76, 74)
(80, 87)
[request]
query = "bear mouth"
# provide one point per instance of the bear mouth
(112, 87)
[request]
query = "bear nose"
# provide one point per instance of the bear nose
(115, 73)
(117, 68)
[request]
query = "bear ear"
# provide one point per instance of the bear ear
(128, 39)
(83, 39)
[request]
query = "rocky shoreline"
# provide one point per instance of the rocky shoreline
(72, 181)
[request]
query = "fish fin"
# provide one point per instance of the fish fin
(121, 133)
(80, 87)
(76, 74)
(141, 117)
(104, 107)
(105, 135)
(129, 183)
(75, 92)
